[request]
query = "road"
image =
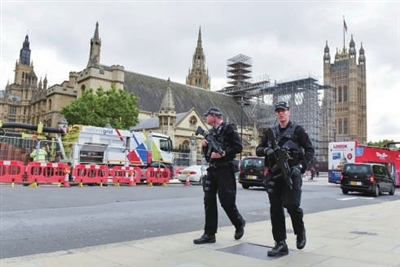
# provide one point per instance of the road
(48, 218)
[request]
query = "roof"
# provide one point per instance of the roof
(151, 91)
(152, 123)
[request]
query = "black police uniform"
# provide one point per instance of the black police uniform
(221, 180)
(280, 195)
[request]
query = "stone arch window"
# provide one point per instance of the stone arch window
(340, 95)
(193, 121)
(340, 126)
(49, 105)
(335, 94)
(345, 126)
(185, 144)
(345, 92)
(83, 88)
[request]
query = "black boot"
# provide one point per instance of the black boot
(280, 249)
(301, 239)
(206, 238)
(239, 232)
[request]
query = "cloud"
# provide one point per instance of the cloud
(285, 40)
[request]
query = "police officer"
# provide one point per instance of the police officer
(279, 193)
(220, 177)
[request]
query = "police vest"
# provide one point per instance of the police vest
(288, 139)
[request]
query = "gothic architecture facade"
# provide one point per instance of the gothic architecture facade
(198, 75)
(347, 98)
(165, 106)
(176, 109)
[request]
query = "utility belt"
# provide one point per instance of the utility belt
(220, 164)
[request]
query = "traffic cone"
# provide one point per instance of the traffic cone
(187, 183)
(131, 182)
(66, 181)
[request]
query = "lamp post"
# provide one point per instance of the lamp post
(193, 150)
(241, 102)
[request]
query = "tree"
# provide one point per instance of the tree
(114, 106)
(379, 143)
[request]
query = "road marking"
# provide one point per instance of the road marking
(351, 198)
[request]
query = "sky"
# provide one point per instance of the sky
(285, 40)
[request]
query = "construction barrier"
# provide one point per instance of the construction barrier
(126, 175)
(90, 174)
(11, 171)
(157, 175)
(46, 173)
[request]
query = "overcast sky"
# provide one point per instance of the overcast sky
(285, 40)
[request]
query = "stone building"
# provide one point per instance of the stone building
(165, 106)
(177, 109)
(346, 101)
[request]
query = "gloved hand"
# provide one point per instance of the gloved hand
(296, 170)
(268, 151)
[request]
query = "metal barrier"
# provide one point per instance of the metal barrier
(46, 173)
(157, 175)
(89, 174)
(11, 171)
(126, 175)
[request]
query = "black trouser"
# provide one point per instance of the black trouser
(221, 181)
(281, 196)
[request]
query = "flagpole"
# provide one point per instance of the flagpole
(344, 32)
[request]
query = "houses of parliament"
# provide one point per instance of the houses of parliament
(176, 109)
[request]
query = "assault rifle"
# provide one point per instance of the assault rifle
(212, 143)
(282, 156)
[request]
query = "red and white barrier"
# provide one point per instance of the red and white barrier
(126, 175)
(11, 171)
(89, 174)
(46, 173)
(157, 175)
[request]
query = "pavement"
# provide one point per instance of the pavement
(359, 236)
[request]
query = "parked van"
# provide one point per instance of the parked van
(370, 178)
(251, 172)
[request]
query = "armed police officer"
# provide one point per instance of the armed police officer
(220, 177)
(299, 150)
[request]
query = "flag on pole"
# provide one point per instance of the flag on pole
(344, 25)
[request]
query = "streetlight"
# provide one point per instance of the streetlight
(193, 149)
(241, 102)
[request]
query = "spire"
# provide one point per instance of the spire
(198, 75)
(168, 103)
(95, 45)
(327, 56)
(25, 52)
(96, 32)
(45, 82)
(352, 48)
(199, 39)
(361, 58)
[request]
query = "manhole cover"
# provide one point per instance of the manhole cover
(252, 250)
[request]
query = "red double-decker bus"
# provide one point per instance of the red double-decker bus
(352, 152)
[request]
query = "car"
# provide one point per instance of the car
(193, 174)
(252, 172)
(372, 178)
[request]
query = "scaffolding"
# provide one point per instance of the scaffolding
(239, 74)
(310, 105)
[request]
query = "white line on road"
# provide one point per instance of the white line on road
(351, 198)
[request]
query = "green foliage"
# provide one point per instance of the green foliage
(114, 106)
(379, 143)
